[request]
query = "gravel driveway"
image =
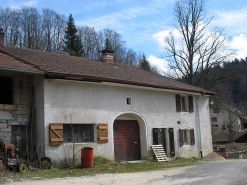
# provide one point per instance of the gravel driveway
(227, 172)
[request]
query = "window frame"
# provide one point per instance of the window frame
(129, 101)
(184, 103)
(214, 120)
(216, 110)
(80, 137)
(186, 137)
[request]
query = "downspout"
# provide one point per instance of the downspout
(199, 121)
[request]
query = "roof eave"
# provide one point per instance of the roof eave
(99, 80)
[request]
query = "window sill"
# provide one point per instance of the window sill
(184, 112)
(7, 107)
(79, 143)
(186, 145)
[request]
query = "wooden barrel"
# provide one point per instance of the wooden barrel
(86, 157)
(223, 152)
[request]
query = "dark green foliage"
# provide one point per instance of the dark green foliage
(145, 64)
(72, 41)
(108, 44)
(232, 90)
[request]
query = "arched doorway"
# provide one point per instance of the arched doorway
(126, 140)
(134, 126)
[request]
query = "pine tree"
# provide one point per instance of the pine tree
(145, 64)
(108, 44)
(72, 41)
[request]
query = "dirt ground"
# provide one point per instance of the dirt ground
(213, 157)
(152, 177)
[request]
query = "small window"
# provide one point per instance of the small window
(186, 134)
(214, 119)
(6, 92)
(216, 110)
(18, 138)
(78, 133)
(186, 137)
(183, 107)
(129, 101)
(184, 103)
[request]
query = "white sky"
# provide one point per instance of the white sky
(144, 23)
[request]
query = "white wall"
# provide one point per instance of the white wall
(223, 116)
(81, 102)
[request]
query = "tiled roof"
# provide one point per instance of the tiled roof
(224, 137)
(70, 67)
(8, 62)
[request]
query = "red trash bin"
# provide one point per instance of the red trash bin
(86, 157)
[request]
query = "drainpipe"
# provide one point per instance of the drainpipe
(199, 120)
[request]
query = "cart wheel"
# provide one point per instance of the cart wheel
(45, 163)
(3, 163)
(22, 167)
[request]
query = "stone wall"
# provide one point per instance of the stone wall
(19, 112)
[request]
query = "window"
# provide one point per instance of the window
(6, 92)
(214, 119)
(186, 137)
(129, 101)
(216, 110)
(184, 103)
(18, 138)
(78, 133)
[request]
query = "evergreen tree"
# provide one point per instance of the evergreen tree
(72, 41)
(108, 44)
(145, 64)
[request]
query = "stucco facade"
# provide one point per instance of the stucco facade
(221, 116)
(73, 102)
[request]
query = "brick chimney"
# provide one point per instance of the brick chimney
(1, 37)
(108, 56)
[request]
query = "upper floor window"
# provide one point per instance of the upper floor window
(184, 103)
(216, 110)
(129, 101)
(6, 96)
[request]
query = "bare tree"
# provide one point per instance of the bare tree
(231, 126)
(198, 50)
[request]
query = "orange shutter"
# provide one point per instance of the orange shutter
(56, 134)
(102, 133)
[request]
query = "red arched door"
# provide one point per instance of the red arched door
(126, 140)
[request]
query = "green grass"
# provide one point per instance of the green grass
(101, 165)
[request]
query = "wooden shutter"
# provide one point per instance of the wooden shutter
(102, 133)
(155, 136)
(190, 98)
(181, 137)
(56, 134)
(192, 137)
(178, 103)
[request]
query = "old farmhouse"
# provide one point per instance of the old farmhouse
(53, 105)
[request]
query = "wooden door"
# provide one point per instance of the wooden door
(126, 140)
(171, 142)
